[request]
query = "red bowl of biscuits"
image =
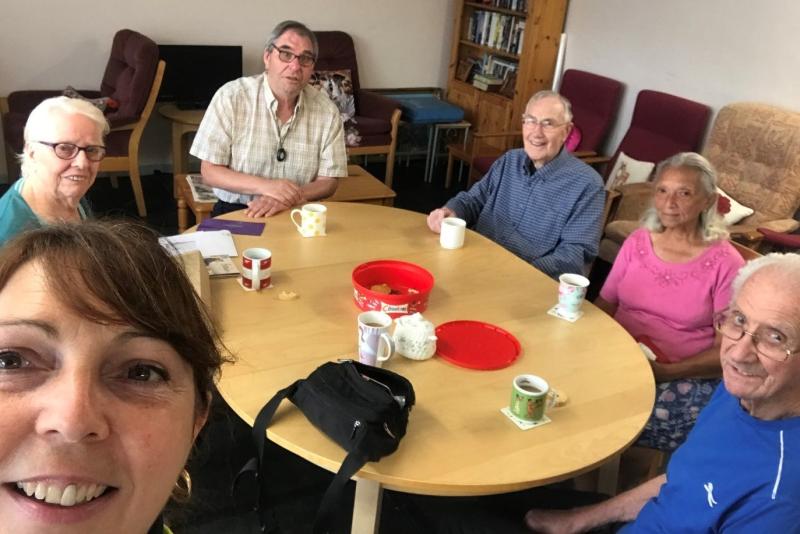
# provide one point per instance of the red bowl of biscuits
(391, 286)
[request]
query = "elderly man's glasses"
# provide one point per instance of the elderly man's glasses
(769, 342)
(287, 56)
(69, 150)
(548, 125)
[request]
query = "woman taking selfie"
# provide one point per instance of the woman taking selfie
(107, 363)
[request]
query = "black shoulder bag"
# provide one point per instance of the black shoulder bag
(362, 408)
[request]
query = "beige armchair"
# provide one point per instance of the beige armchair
(756, 151)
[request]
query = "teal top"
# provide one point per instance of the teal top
(16, 216)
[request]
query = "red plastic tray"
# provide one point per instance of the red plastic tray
(476, 345)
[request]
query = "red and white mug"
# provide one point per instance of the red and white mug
(256, 264)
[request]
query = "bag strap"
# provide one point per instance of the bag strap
(328, 508)
(255, 466)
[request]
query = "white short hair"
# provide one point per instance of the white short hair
(42, 116)
(784, 267)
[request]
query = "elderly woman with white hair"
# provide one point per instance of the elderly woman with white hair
(669, 279)
(63, 150)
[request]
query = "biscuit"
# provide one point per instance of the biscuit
(287, 295)
(381, 288)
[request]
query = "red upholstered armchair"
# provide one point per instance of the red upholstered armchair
(662, 125)
(376, 116)
(132, 78)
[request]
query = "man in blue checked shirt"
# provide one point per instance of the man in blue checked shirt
(540, 202)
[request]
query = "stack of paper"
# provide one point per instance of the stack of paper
(218, 243)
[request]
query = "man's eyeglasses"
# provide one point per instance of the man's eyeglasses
(69, 150)
(769, 342)
(287, 56)
(548, 125)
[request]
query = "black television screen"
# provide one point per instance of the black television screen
(195, 72)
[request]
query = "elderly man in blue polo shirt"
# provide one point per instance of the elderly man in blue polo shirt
(540, 202)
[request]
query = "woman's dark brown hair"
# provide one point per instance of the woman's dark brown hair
(117, 273)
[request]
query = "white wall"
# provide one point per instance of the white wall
(711, 51)
(49, 45)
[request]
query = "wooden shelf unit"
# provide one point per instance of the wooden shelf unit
(492, 112)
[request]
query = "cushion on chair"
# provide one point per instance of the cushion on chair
(663, 125)
(129, 75)
(756, 151)
(595, 101)
(629, 171)
(338, 85)
(427, 109)
(373, 111)
(736, 212)
(790, 241)
(574, 138)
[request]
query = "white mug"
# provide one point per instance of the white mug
(452, 233)
(571, 293)
(256, 268)
(312, 220)
(375, 345)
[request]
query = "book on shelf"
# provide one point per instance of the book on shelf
(496, 30)
(488, 80)
(513, 5)
(490, 87)
(200, 191)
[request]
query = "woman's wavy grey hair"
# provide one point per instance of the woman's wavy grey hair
(712, 225)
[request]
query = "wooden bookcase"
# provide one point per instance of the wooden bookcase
(541, 24)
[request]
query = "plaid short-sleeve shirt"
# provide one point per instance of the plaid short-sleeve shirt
(240, 130)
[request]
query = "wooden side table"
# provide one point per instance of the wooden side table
(184, 121)
(358, 186)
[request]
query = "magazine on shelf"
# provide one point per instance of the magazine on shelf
(200, 191)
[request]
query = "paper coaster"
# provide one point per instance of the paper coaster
(239, 279)
(521, 423)
(554, 311)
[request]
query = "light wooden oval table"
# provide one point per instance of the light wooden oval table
(458, 443)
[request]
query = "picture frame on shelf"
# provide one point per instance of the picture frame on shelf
(509, 85)
(466, 68)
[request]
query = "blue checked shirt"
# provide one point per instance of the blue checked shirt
(549, 217)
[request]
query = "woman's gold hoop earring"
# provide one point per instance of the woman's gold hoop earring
(182, 491)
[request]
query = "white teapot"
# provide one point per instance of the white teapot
(414, 337)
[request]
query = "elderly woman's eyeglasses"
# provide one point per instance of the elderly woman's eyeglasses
(69, 150)
(769, 342)
(548, 125)
(305, 60)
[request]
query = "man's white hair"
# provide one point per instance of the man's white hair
(783, 267)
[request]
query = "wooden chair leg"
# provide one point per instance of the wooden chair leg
(390, 166)
(136, 184)
(448, 177)
(183, 215)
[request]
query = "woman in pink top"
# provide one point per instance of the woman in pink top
(669, 279)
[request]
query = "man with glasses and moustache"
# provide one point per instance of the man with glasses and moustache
(739, 470)
(539, 202)
(270, 142)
